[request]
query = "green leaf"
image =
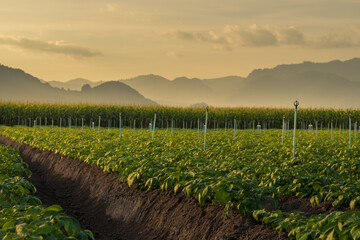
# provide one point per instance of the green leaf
(222, 196)
(177, 187)
(331, 236)
(8, 225)
(44, 229)
(72, 227)
(52, 208)
(355, 233)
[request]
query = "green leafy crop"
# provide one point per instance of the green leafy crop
(21, 215)
(246, 173)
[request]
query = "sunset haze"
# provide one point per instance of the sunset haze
(102, 41)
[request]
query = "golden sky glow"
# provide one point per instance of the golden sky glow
(110, 40)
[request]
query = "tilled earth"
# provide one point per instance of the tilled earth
(112, 210)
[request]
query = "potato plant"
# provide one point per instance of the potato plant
(21, 215)
(244, 173)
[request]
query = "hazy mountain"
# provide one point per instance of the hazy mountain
(314, 89)
(16, 85)
(74, 84)
(331, 84)
(225, 84)
(114, 92)
(180, 91)
(349, 69)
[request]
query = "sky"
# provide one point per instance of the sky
(110, 40)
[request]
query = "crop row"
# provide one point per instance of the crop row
(25, 114)
(242, 172)
(21, 214)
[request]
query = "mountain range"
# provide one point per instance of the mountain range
(16, 85)
(330, 84)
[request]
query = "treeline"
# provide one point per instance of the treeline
(140, 116)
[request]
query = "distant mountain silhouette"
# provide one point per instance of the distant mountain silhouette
(180, 91)
(347, 69)
(74, 84)
(16, 85)
(331, 84)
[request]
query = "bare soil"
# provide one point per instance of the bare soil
(112, 210)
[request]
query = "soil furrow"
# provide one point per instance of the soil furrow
(112, 210)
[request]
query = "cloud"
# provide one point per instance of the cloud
(59, 47)
(290, 36)
(252, 36)
(232, 36)
(334, 40)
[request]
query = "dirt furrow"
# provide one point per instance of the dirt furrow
(112, 210)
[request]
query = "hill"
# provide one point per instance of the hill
(74, 84)
(332, 84)
(16, 85)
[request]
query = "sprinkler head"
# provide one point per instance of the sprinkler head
(296, 103)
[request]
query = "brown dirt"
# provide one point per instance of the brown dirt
(292, 204)
(112, 210)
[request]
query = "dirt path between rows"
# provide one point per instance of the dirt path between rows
(112, 210)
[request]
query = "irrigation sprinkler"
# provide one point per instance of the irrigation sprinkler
(153, 128)
(205, 126)
(45, 122)
(316, 127)
(283, 131)
(296, 104)
(350, 131)
(82, 124)
(310, 129)
(355, 129)
(52, 124)
(198, 128)
(134, 125)
(172, 127)
(331, 130)
(34, 124)
(40, 124)
(99, 125)
(234, 128)
(258, 128)
(340, 130)
(120, 125)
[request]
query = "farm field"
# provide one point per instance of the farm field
(249, 171)
(22, 215)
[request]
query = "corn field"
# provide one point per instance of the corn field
(179, 117)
